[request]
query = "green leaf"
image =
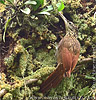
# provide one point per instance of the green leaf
(1, 1)
(35, 7)
(44, 12)
(89, 77)
(41, 2)
(11, 1)
(49, 8)
(30, 2)
(33, 16)
(6, 25)
(60, 6)
(26, 10)
(84, 91)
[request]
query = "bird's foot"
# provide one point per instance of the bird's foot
(68, 74)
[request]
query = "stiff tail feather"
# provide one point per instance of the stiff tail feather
(53, 80)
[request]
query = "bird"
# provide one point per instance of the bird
(67, 54)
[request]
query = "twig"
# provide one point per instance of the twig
(30, 81)
(94, 9)
(83, 61)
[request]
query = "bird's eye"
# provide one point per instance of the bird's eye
(70, 23)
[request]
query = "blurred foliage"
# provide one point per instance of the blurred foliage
(2, 7)
(29, 7)
(35, 29)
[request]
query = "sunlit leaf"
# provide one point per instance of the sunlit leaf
(60, 6)
(46, 13)
(30, 2)
(10, 1)
(89, 77)
(2, 7)
(6, 25)
(26, 11)
(49, 8)
(33, 16)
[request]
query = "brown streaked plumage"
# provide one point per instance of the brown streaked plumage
(67, 57)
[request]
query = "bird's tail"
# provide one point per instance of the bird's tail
(53, 80)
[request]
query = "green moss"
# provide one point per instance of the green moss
(87, 43)
(3, 82)
(18, 61)
(20, 93)
(5, 86)
(94, 39)
(36, 88)
(8, 96)
(26, 93)
(46, 58)
(9, 61)
(2, 77)
(41, 73)
(30, 66)
(53, 37)
(16, 94)
(75, 4)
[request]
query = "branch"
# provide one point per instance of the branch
(83, 61)
(30, 81)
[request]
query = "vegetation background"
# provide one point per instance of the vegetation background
(30, 31)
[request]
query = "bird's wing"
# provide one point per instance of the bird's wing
(74, 61)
